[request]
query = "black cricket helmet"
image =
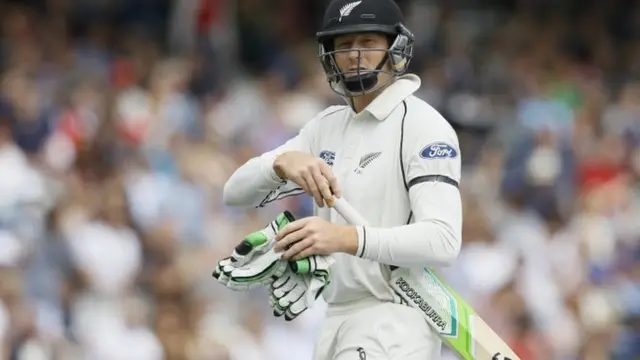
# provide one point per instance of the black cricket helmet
(344, 17)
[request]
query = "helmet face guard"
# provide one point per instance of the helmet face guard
(362, 81)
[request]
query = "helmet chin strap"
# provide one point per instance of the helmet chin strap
(364, 82)
(361, 83)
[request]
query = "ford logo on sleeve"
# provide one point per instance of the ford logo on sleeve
(438, 150)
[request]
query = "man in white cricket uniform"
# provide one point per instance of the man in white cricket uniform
(394, 158)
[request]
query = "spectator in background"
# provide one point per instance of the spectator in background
(121, 121)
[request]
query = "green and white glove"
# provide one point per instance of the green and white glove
(253, 261)
(300, 286)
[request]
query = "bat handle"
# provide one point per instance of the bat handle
(347, 211)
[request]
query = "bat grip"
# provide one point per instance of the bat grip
(351, 215)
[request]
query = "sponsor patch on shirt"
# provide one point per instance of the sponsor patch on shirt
(328, 156)
(438, 150)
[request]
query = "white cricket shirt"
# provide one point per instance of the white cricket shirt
(398, 164)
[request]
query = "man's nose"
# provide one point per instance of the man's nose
(355, 55)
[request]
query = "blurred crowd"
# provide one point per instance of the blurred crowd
(120, 122)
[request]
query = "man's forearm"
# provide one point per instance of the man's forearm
(252, 182)
(433, 240)
(419, 244)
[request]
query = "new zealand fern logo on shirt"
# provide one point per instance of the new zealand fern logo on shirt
(365, 160)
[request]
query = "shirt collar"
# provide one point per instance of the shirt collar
(403, 87)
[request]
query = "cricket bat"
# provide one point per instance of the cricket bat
(458, 325)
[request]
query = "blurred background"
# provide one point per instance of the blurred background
(120, 121)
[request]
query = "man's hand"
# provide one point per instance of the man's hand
(311, 173)
(315, 236)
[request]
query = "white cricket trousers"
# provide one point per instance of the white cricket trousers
(382, 331)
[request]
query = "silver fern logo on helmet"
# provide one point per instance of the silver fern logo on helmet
(347, 9)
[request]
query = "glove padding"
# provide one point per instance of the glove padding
(300, 286)
(253, 261)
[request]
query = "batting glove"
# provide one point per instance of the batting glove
(300, 286)
(253, 261)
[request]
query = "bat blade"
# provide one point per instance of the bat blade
(455, 321)
(486, 343)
